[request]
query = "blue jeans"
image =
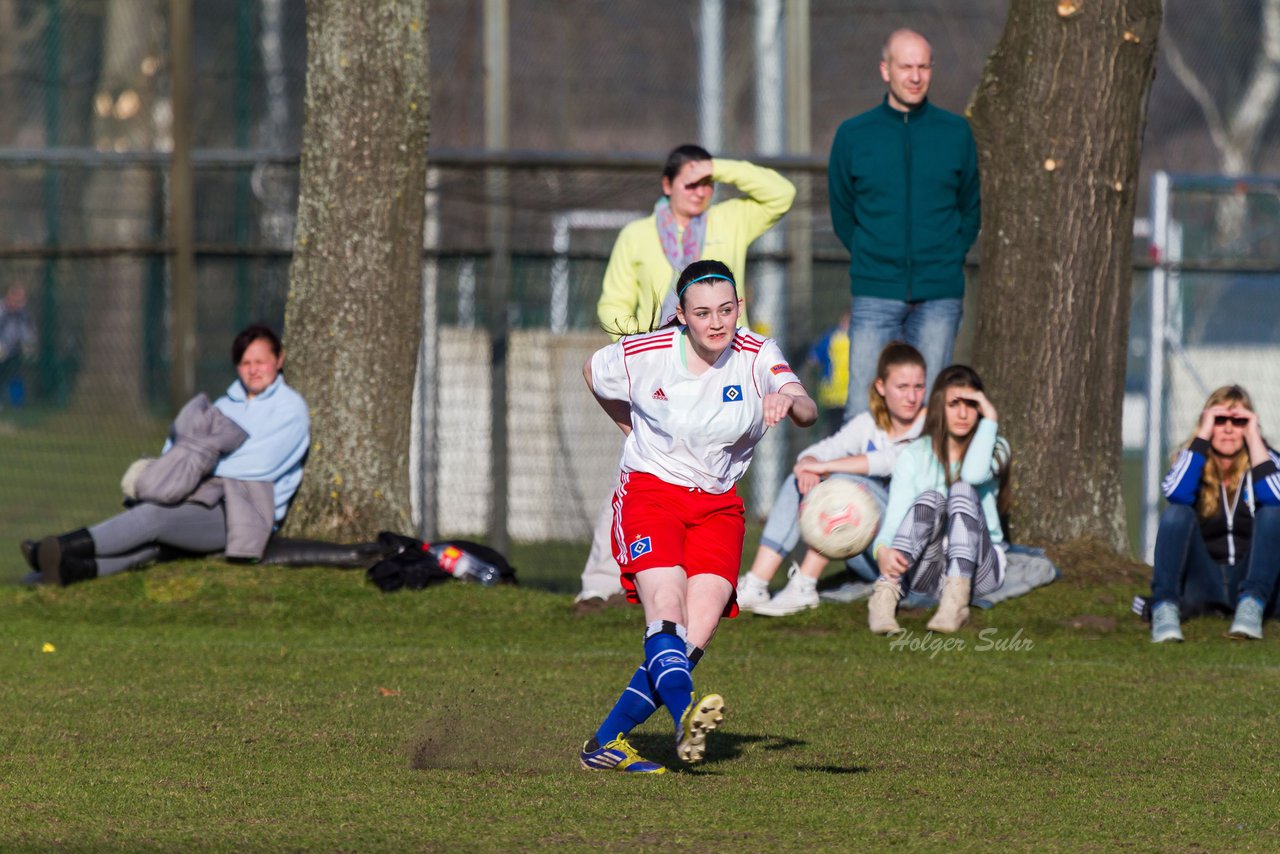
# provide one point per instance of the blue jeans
(929, 326)
(782, 528)
(1185, 573)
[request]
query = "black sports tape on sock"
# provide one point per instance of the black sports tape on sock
(667, 628)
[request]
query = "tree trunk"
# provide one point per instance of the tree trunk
(353, 317)
(1058, 116)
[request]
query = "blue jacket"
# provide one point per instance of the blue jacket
(904, 197)
(279, 428)
(1226, 543)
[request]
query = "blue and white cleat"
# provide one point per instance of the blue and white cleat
(699, 719)
(617, 755)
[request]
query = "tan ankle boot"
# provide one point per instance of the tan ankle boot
(953, 610)
(882, 606)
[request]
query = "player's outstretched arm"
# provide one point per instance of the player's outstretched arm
(790, 401)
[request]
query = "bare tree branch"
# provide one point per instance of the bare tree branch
(1196, 89)
(1256, 106)
(1237, 138)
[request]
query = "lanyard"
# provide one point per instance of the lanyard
(1231, 519)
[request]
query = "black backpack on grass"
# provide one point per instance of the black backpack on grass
(407, 563)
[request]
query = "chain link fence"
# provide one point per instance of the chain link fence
(600, 89)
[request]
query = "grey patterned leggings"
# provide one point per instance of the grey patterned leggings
(135, 536)
(941, 533)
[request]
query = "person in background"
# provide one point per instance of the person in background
(903, 187)
(638, 293)
(941, 534)
(17, 343)
(864, 450)
(273, 429)
(1218, 541)
(831, 354)
(693, 401)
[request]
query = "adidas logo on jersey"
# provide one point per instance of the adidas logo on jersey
(659, 395)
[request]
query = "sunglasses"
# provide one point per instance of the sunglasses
(1223, 419)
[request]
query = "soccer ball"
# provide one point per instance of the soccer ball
(839, 518)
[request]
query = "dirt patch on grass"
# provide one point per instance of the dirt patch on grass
(489, 727)
(1092, 623)
(1090, 563)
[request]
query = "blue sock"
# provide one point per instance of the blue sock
(667, 661)
(639, 700)
(632, 709)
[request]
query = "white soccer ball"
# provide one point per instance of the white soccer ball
(839, 518)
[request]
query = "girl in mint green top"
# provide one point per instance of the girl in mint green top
(940, 534)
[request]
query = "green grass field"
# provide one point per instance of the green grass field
(205, 706)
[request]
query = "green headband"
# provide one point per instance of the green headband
(680, 292)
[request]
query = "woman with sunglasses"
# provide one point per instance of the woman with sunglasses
(1218, 542)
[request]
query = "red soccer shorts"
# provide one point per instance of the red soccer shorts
(658, 524)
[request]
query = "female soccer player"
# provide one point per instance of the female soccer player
(693, 400)
(1212, 547)
(864, 450)
(650, 253)
(941, 534)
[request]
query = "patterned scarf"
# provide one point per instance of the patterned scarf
(681, 250)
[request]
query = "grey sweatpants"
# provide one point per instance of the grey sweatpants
(134, 537)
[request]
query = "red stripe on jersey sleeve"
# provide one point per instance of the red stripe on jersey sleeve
(747, 342)
(651, 341)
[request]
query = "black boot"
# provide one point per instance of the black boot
(29, 553)
(68, 558)
(73, 569)
(35, 576)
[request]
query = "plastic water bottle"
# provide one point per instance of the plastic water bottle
(463, 566)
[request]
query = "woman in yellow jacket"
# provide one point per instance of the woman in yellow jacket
(685, 227)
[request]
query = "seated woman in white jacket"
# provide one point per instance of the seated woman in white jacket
(863, 450)
(278, 427)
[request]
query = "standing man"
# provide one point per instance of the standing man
(903, 185)
(638, 294)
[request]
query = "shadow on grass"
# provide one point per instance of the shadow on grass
(721, 746)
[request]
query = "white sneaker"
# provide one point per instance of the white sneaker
(800, 594)
(751, 595)
(1166, 623)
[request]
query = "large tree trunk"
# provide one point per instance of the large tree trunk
(1058, 116)
(353, 317)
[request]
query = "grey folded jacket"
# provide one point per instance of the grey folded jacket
(201, 434)
(250, 506)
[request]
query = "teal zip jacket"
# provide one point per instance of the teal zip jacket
(904, 201)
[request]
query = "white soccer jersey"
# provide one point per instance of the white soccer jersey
(696, 431)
